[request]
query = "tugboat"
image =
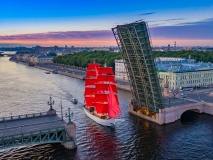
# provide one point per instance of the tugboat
(101, 95)
(74, 100)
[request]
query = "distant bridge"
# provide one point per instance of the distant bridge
(36, 128)
(4, 54)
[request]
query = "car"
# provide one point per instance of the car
(207, 92)
(183, 95)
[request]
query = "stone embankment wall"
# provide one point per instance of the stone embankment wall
(71, 75)
(43, 68)
(123, 87)
(172, 114)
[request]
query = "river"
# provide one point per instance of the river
(25, 89)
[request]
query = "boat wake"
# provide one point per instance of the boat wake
(119, 120)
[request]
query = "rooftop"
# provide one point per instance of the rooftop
(43, 56)
(182, 65)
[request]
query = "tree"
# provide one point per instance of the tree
(82, 59)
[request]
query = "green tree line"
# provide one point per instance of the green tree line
(82, 59)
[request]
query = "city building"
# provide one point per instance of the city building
(32, 60)
(184, 73)
(120, 70)
(100, 49)
(176, 73)
(46, 50)
(209, 49)
(43, 59)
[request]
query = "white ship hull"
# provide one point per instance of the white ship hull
(104, 122)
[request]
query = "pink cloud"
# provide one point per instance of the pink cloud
(68, 35)
(198, 33)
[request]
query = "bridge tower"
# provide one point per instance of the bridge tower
(133, 41)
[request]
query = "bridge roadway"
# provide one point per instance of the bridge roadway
(29, 124)
(37, 128)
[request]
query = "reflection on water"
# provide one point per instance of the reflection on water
(25, 89)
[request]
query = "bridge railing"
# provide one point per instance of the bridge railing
(22, 116)
(35, 137)
(21, 129)
(33, 133)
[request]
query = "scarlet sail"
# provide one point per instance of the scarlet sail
(113, 103)
(101, 92)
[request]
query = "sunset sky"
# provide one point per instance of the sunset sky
(89, 22)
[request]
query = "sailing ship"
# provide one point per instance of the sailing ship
(101, 95)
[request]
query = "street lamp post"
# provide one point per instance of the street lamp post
(69, 116)
(61, 112)
(50, 103)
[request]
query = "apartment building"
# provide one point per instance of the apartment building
(175, 73)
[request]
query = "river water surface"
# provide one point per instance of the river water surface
(25, 89)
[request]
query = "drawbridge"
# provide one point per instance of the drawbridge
(134, 43)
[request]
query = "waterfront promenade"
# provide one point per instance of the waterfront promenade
(74, 72)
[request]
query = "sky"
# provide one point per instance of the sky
(89, 22)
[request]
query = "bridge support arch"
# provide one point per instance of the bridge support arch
(172, 114)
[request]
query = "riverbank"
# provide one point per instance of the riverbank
(71, 73)
(62, 73)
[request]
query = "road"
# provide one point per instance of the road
(176, 101)
(198, 95)
(63, 69)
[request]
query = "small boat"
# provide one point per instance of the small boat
(47, 72)
(101, 95)
(55, 72)
(74, 100)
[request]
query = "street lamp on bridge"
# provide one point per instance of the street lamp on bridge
(50, 103)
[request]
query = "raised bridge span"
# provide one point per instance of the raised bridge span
(36, 128)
